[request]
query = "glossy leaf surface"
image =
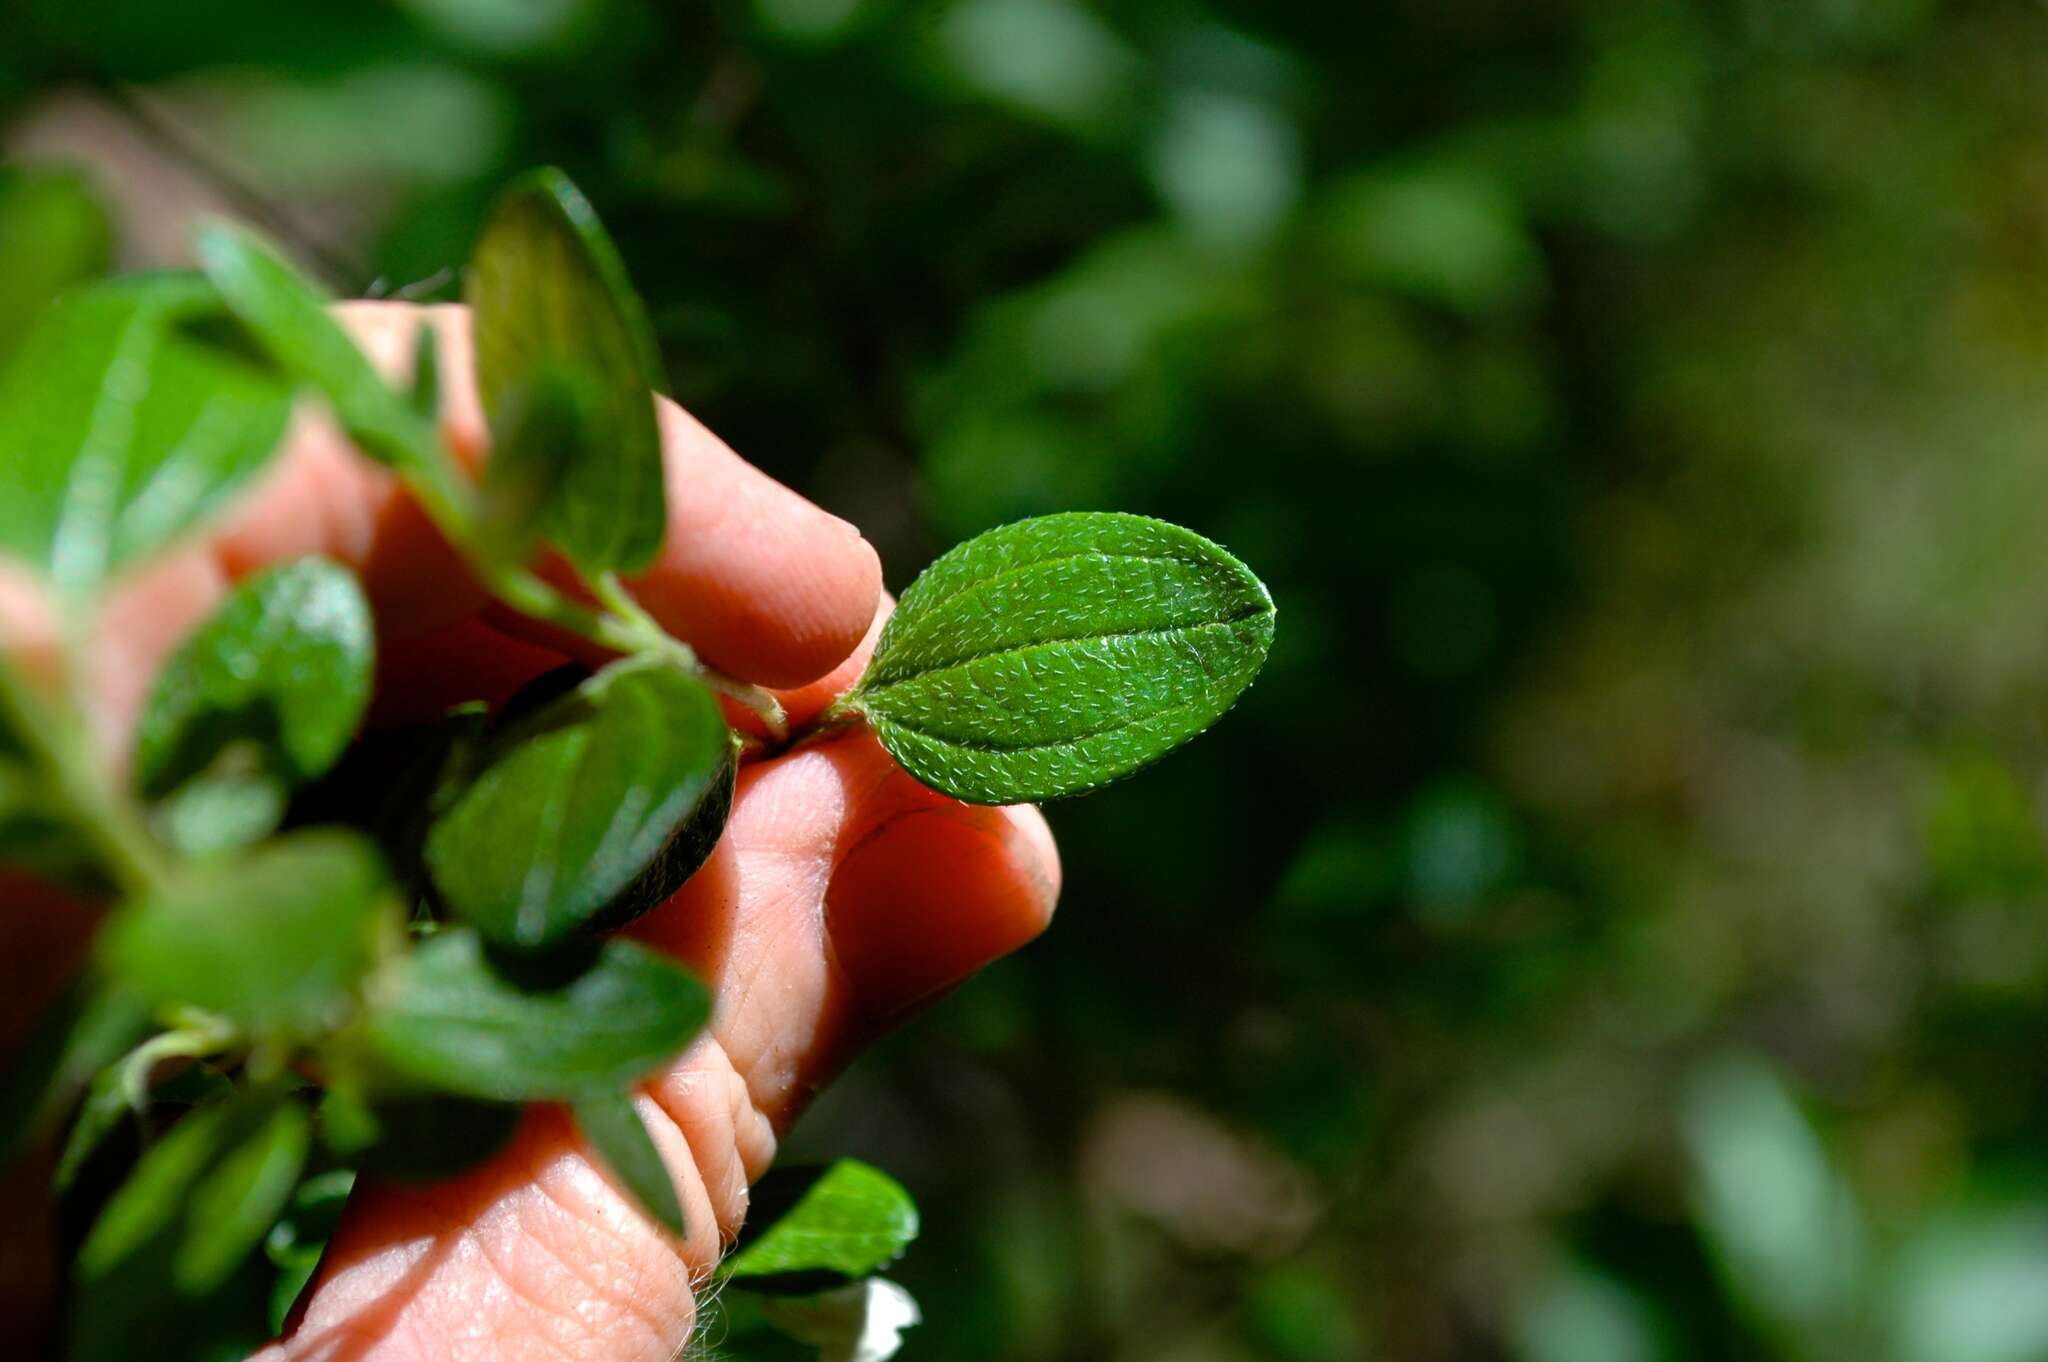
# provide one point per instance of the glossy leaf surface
(584, 799)
(1052, 656)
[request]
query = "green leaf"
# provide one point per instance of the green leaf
(549, 293)
(459, 1020)
(262, 697)
(1055, 655)
(821, 1225)
(123, 423)
(53, 234)
(613, 1126)
(587, 815)
(276, 940)
(539, 428)
(288, 313)
(232, 1210)
(211, 1187)
(295, 1244)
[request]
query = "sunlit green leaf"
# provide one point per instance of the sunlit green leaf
(595, 809)
(613, 1126)
(1052, 656)
(288, 313)
(549, 294)
(276, 940)
(843, 1221)
(456, 1019)
(124, 421)
(261, 697)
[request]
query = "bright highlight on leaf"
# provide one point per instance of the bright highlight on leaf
(550, 297)
(1053, 656)
(124, 423)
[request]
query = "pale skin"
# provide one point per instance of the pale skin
(842, 896)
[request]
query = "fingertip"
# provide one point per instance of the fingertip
(764, 584)
(932, 890)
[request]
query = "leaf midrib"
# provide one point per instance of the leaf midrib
(1038, 645)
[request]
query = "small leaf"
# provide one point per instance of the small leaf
(456, 1019)
(123, 424)
(216, 1156)
(276, 940)
(299, 1238)
(1052, 656)
(549, 293)
(585, 815)
(233, 1208)
(425, 394)
(863, 1322)
(288, 314)
(844, 1221)
(262, 697)
(613, 1126)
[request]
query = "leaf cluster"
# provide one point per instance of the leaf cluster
(332, 952)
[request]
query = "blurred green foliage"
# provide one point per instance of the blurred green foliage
(1612, 929)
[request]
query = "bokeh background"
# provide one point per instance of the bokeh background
(1613, 929)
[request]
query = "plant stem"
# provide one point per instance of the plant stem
(57, 744)
(653, 638)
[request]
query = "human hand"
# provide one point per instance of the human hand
(842, 894)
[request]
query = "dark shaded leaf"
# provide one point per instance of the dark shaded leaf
(456, 1019)
(550, 295)
(613, 1126)
(420, 1139)
(300, 1236)
(590, 812)
(233, 1208)
(1052, 656)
